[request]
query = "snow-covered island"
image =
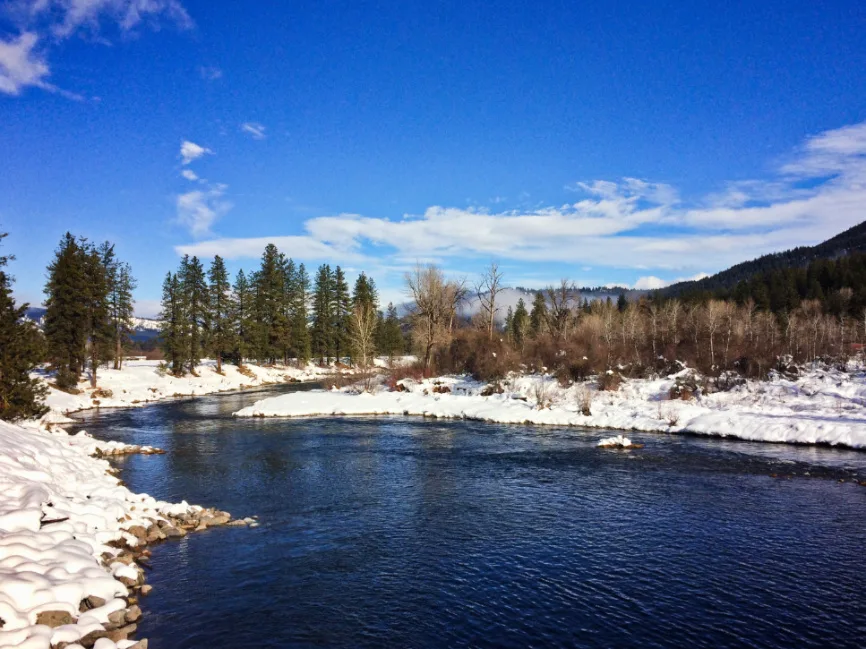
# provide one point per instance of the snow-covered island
(820, 406)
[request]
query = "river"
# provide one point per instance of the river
(399, 532)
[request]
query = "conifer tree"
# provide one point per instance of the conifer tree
(520, 323)
(221, 328)
(341, 313)
(243, 317)
(195, 302)
(509, 324)
(21, 349)
(100, 333)
(172, 325)
(121, 308)
(66, 316)
(392, 336)
(270, 293)
(300, 335)
(538, 315)
(323, 323)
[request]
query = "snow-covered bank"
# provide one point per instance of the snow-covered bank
(140, 382)
(69, 538)
(822, 406)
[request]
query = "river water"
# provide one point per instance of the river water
(398, 532)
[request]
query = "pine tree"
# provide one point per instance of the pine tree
(243, 317)
(195, 302)
(323, 324)
(392, 335)
(621, 303)
(520, 323)
(121, 308)
(172, 325)
(270, 294)
(299, 326)
(100, 334)
(509, 323)
(66, 314)
(221, 328)
(21, 349)
(341, 306)
(538, 316)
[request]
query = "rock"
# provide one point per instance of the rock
(145, 590)
(141, 644)
(54, 618)
(90, 639)
(89, 602)
(117, 619)
(133, 614)
(237, 523)
(173, 533)
(138, 532)
(122, 633)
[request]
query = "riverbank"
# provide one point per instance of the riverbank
(71, 540)
(143, 382)
(820, 406)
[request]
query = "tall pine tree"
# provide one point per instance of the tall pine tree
(322, 333)
(221, 326)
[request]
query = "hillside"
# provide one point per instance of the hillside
(851, 240)
(144, 328)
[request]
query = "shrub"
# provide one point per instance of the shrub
(610, 381)
(583, 396)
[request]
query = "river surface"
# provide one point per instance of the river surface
(398, 532)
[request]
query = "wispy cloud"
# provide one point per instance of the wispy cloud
(632, 223)
(22, 65)
(254, 130)
(189, 174)
(197, 210)
(210, 73)
(297, 247)
(190, 151)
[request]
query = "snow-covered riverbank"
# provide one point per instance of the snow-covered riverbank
(823, 406)
(70, 535)
(141, 382)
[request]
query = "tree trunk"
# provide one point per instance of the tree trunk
(219, 360)
(118, 355)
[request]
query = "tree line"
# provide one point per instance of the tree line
(274, 314)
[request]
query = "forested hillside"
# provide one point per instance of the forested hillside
(849, 241)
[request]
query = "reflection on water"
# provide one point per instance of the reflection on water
(412, 533)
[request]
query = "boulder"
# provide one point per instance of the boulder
(54, 618)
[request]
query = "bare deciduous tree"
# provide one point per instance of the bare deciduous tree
(434, 308)
(561, 300)
(486, 290)
(363, 339)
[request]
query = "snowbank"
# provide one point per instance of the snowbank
(820, 407)
(140, 382)
(66, 529)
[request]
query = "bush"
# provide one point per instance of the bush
(610, 381)
(583, 396)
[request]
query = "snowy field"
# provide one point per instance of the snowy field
(62, 578)
(822, 406)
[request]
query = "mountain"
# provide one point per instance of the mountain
(851, 240)
(144, 328)
(508, 297)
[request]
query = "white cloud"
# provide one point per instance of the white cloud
(197, 210)
(21, 66)
(190, 151)
(653, 283)
(210, 73)
(189, 174)
(633, 223)
(254, 130)
(297, 247)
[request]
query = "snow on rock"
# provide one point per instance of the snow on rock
(823, 406)
(617, 441)
(66, 526)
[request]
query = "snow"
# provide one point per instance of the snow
(617, 441)
(59, 508)
(822, 406)
(140, 382)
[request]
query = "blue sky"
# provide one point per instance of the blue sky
(619, 142)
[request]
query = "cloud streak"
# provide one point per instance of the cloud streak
(197, 210)
(254, 130)
(630, 223)
(190, 151)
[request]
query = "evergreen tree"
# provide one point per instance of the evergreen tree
(323, 323)
(392, 336)
(300, 333)
(121, 308)
(221, 328)
(99, 331)
(538, 316)
(341, 309)
(621, 302)
(66, 314)
(520, 323)
(172, 326)
(195, 303)
(20, 351)
(509, 324)
(242, 316)
(270, 294)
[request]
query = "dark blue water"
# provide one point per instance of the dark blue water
(410, 533)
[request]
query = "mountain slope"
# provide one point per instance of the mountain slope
(851, 240)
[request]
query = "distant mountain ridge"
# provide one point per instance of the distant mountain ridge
(851, 240)
(144, 328)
